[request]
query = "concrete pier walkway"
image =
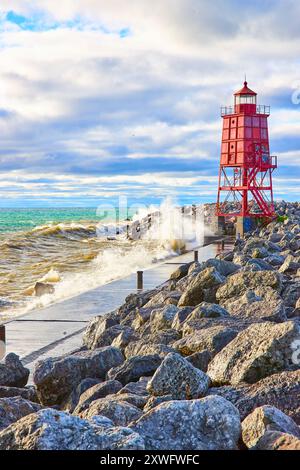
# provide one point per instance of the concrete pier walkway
(57, 329)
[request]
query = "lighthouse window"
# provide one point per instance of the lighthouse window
(264, 133)
(246, 99)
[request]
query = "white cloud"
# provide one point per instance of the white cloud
(77, 98)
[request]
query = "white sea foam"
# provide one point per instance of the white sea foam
(168, 233)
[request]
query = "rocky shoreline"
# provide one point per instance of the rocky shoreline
(210, 360)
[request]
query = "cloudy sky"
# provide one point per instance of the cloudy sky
(122, 97)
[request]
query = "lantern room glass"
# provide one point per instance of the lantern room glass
(245, 99)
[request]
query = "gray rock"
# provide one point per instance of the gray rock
(178, 378)
(134, 301)
(72, 401)
(124, 338)
(239, 283)
(119, 411)
(102, 421)
(224, 267)
(275, 440)
(96, 327)
(155, 401)
(200, 360)
(55, 378)
(191, 327)
(180, 272)
(212, 339)
(134, 368)
(100, 390)
(162, 298)
(145, 348)
(264, 419)
(142, 315)
(43, 288)
(275, 260)
(260, 350)
(210, 423)
(181, 316)
(202, 288)
(206, 310)
(137, 388)
(253, 307)
(161, 319)
(291, 294)
(133, 399)
(290, 265)
(12, 372)
(108, 336)
(54, 430)
(29, 393)
(260, 264)
(14, 408)
(166, 337)
(280, 390)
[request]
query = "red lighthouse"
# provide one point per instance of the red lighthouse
(246, 167)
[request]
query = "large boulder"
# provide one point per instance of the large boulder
(291, 294)
(54, 430)
(161, 319)
(71, 402)
(13, 409)
(206, 310)
(29, 393)
(200, 360)
(119, 411)
(181, 316)
(251, 306)
(134, 368)
(100, 390)
(145, 347)
(190, 327)
(276, 440)
(280, 390)
(224, 267)
(180, 272)
(264, 419)
(212, 339)
(260, 350)
(290, 265)
(239, 283)
(107, 337)
(202, 288)
(96, 327)
(210, 423)
(137, 388)
(124, 338)
(178, 378)
(12, 372)
(55, 378)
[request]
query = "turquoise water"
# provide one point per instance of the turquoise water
(13, 220)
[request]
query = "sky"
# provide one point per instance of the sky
(101, 99)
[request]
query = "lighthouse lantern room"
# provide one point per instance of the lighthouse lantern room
(246, 166)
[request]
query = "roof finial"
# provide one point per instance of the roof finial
(245, 82)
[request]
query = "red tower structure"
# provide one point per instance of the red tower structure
(246, 167)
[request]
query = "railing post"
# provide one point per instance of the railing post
(223, 244)
(140, 280)
(196, 256)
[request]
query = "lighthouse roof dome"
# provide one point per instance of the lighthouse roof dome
(245, 91)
